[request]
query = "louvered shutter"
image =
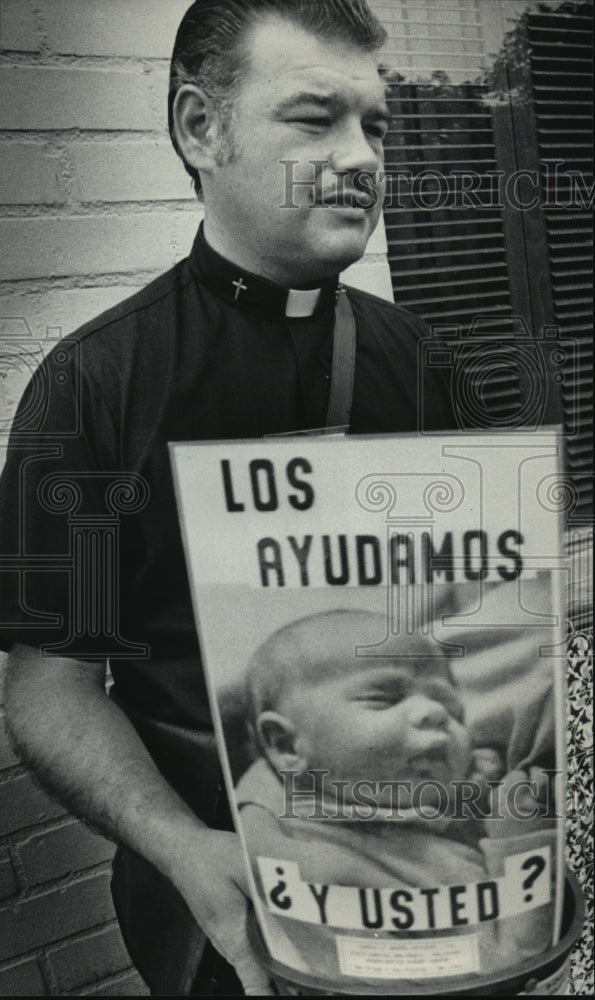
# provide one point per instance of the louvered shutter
(496, 277)
(450, 263)
(560, 48)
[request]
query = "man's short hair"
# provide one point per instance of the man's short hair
(209, 50)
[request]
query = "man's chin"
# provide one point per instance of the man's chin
(341, 248)
(324, 243)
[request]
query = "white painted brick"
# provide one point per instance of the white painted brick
(63, 98)
(28, 175)
(18, 32)
(160, 85)
(377, 242)
(371, 277)
(142, 28)
(184, 231)
(53, 247)
(129, 171)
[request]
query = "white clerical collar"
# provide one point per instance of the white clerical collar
(301, 302)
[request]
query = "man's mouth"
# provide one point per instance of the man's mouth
(343, 201)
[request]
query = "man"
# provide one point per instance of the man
(278, 111)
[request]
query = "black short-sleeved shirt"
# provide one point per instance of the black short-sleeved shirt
(204, 352)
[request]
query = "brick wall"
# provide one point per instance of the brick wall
(93, 204)
(57, 929)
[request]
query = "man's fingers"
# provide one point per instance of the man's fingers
(258, 986)
(219, 903)
(230, 940)
(252, 976)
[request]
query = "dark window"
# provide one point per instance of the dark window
(487, 213)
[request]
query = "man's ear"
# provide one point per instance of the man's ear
(196, 127)
(277, 737)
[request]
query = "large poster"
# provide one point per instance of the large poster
(381, 626)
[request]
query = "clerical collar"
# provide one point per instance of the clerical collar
(253, 293)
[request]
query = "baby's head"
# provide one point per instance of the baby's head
(322, 698)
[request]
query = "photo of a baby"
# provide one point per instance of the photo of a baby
(356, 761)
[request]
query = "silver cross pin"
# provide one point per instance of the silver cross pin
(239, 287)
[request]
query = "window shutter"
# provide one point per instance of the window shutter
(560, 48)
(484, 90)
(450, 264)
(444, 260)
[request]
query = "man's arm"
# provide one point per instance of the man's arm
(83, 747)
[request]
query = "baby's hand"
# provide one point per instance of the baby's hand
(487, 766)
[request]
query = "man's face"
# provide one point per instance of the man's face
(303, 99)
(383, 721)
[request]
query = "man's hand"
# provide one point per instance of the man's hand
(215, 888)
(86, 751)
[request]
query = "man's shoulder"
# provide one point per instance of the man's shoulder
(388, 330)
(385, 312)
(155, 298)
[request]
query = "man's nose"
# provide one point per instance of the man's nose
(425, 713)
(353, 151)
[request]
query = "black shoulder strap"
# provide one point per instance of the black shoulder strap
(343, 370)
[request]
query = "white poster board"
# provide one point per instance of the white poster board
(381, 625)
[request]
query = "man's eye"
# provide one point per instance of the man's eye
(314, 122)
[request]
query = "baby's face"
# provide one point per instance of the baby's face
(384, 721)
